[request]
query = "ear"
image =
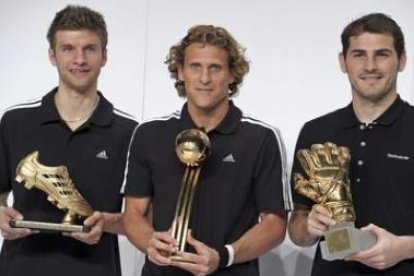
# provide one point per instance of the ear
(180, 71)
(402, 62)
(52, 56)
(341, 59)
(105, 57)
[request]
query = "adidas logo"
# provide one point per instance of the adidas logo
(102, 155)
(229, 158)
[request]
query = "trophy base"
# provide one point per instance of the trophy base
(344, 239)
(48, 227)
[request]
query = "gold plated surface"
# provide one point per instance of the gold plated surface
(58, 186)
(192, 147)
(327, 167)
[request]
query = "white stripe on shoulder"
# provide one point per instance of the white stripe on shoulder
(28, 104)
(174, 115)
(124, 114)
(127, 160)
(287, 192)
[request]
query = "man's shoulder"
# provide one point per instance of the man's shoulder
(124, 118)
(331, 119)
(23, 110)
(156, 122)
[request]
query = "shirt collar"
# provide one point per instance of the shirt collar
(102, 116)
(386, 118)
(228, 125)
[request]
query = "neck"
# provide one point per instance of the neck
(75, 108)
(208, 119)
(368, 111)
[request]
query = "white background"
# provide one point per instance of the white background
(292, 47)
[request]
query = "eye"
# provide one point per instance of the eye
(215, 68)
(194, 66)
(66, 48)
(358, 55)
(383, 54)
(91, 49)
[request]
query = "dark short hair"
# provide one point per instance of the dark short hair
(78, 18)
(377, 23)
(215, 36)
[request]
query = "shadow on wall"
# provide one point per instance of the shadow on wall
(298, 264)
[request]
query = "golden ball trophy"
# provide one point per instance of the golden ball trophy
(192, 147)
(327, 167)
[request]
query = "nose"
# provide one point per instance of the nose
(79, 58)
(370, 64)
(205, 77)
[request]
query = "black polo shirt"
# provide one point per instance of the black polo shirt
(244, 175)
(381, 174)
(95, 155)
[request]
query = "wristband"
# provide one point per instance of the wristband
(230, 250)
(224, 257)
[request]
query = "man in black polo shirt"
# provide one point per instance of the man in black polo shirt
(73, 125)
(378, 128)
(239, 209)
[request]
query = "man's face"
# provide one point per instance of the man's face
(206, 77)
(79, 57)
(372, 66)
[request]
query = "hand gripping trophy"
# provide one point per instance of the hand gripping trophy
(58, 186)
(192, 147)
(327, 167)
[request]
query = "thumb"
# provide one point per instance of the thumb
(193, 242)
(13, 213)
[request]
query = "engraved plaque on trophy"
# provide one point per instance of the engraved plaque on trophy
(192, 147)
(60, 190)
(327, 167)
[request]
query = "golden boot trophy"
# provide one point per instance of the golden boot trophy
(192, 147)
(327, 167)
(58, 186)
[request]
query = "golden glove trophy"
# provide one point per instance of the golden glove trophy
(56, 183)
(327, 167)
(192, 147)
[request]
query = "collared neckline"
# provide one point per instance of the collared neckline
(102, 116)
(386, 118)
(228, 125)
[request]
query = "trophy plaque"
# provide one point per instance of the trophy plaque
(327, 167)
(60, 190)
(192, 147)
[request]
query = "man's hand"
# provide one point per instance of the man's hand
(387, 252)
(96, 222)
(8, 233)
(204, 262)
(319, 220)
(161, 245)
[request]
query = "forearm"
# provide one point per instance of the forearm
(298, 229)
(136, 223)
(113, 223)
(405, 245)
(262, 237)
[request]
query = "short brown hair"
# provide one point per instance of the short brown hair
(377, 23)
(78, 18)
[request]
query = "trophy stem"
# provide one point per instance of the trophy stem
(183, 208)
(69, 218)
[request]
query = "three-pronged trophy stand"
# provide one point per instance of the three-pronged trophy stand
(192, 147)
